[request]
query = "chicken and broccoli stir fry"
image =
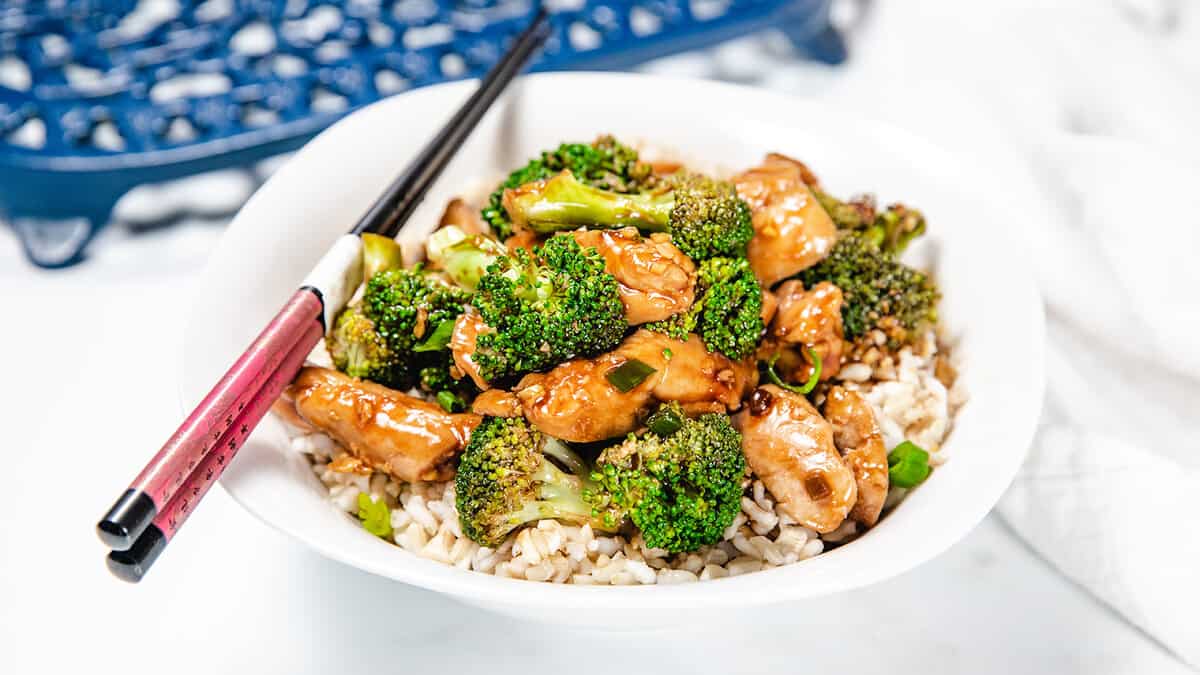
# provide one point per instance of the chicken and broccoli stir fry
(627, 345)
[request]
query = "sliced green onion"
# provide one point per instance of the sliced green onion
(438, 339)
(379, 254)
(908, 465)
(629, 374)
(908, 474)
(805, 388)
(908, 450)
(664, 422)
(375, 516)
(451, 402)
(667, 353)
(815, 377)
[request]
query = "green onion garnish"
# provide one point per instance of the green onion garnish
(438, 339)
(451, 402)
(664, 422)
(908, 465)
(629, 374)
(375, 516)
(799, 389)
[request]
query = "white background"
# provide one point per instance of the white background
(88, 393)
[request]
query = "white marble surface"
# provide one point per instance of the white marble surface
(90, 392)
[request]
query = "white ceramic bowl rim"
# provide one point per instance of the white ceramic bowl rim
(296, 191)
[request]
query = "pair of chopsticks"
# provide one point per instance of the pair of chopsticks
(147, 516)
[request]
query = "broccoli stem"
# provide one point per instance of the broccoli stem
(559, 450)
(380, 254)
(560, 495)
(564, 203)
(463, 257)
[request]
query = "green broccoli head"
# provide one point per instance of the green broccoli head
(891, 230)
(360, 351)
(408, 305)
(879, 291)
(730, 320)
(605, 163)
(394, 336)
(507, 477)
(546, 307)
(857, 213)
(704, 217)
(708, 219)
(727, 312)
(681, 488)
(896, 227)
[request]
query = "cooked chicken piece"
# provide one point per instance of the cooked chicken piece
(526, 239)
(790, 447)
(655, 279)
(285, 409)
(496, 403)
(465, 217)
(770, 304)
(857, 436)
(409, 439)
(691, 375)
(576, 402)
(811, 320)
(462, 345)
(791, 230)
(664, 167)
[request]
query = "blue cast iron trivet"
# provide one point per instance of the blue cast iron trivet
(99, 96)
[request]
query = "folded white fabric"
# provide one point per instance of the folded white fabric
(1108, 493)
(1089, 115)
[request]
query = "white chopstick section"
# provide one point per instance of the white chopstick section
(337, 275)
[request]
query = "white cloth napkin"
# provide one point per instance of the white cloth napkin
(1092, 112)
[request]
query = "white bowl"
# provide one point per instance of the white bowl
(991, 309)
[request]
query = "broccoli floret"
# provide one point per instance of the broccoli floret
(681, 489)
(857, 213)
(408, 305)
(896, 227)
(606, 163)
(359, 351)
(507, 477)
(730, 321)
(727, 312)
(879, 291)
(387, 339)
(704, 217)
(546, 307)
(891, 230)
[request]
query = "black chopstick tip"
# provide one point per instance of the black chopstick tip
(131, 565)
(126, 520)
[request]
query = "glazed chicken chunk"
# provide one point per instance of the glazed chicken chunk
(460, 214)
(790, 447)
(405, 437)
(791, 230)
(576, 401)
(810, 320)
(462, 345)
(654, 278)
(857, 436)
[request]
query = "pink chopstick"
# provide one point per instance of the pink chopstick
(162, 478)
(132, 563)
